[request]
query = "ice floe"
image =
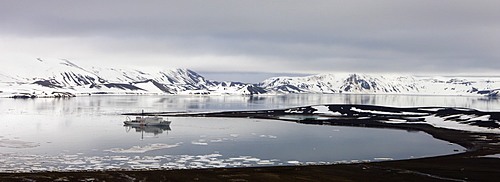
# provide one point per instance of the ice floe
(18, 162)
(17, 144)
(138, 149)
(268, 136)
(217, 140)
(383, 159)
(198, 143)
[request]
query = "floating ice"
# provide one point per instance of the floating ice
(214, 155)
(383, 158)
(147, 161)
(199, 143)
(17, 144)
(120, 158)
(138, 149)
(17, 162)
(237, 158)
(268, 136)
(265, 162)
(75, 162)
(252, 159)
(218, 140)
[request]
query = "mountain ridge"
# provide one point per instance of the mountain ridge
(46, 77)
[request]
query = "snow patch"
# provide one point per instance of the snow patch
(442, 123)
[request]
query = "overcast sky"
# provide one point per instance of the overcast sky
(454, 37)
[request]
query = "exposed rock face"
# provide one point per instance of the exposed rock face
(64, 75)
(391, 84)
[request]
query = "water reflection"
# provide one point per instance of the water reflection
(83, 133)
(98, 105)
(155, 130)
(490, 99)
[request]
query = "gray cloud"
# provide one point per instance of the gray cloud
(420, 37)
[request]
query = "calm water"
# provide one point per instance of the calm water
(87, 133)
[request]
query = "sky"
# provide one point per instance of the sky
(259, 38)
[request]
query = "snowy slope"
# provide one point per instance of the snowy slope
(5, 78)
(45, 76)
(238, 88)
(452, 118)
(60, 73)
(393, 84)
(341, 83)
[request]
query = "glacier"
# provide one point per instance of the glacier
(61, 77)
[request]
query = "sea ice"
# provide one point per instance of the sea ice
(147, 161)
(138, 149)
(237, 158)
(17, 144)
(198, 143)
(252, 159)
(383, 158)
(217, 140)
(265, 162)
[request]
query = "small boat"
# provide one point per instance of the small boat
(147, 121)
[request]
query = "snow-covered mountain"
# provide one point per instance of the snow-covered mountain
(44, 77)
(342, 83)
(392, 84)
(49, 77)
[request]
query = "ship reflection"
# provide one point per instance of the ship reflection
(156, 130)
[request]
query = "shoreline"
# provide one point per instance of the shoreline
(464, 166)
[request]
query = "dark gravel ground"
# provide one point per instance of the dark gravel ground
(458, 167)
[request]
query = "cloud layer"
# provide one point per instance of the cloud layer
(417, 37)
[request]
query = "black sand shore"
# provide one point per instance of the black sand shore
(470, 165)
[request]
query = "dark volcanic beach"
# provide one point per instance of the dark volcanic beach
(470, 165)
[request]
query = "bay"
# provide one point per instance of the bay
(87, 133)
